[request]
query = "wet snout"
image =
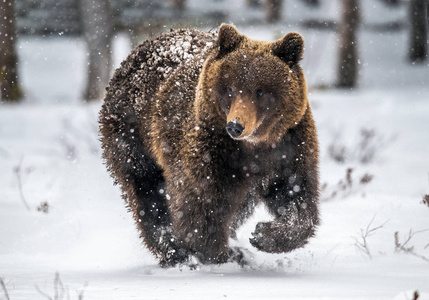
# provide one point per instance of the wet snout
(234, 129)
(241, 119)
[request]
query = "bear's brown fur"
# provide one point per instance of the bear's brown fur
(199, 127)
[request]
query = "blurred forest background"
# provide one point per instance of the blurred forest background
(98, 21)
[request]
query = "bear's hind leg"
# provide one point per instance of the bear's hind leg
(139, 176)
(151, 214)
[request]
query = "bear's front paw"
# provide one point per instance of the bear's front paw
(278, 237)
(263, 238)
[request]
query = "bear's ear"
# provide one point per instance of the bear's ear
(290, 48)
(228, 39)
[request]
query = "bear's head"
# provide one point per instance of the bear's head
(255, 90)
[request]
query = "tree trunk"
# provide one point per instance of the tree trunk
(97, 26)
(419, 31)
(273, 10)
(179, 5)
(392, 2)
(348, 54)
(312, 2)
(9, 84)
(253, 3)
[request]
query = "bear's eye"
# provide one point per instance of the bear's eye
(230, 93)
(259, 93)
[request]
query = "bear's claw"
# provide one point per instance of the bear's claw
(263, 238)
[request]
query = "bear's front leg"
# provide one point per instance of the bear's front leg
(295, 207)
(201, 217)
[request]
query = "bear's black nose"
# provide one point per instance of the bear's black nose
(234, 129)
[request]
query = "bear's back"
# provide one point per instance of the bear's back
(134, 95)
(153, 62)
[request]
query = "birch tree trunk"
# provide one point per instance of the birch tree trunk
(179, 5)
(348, 54)
(273, 10)
(97, 26)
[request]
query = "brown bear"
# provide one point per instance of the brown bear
(197, 128)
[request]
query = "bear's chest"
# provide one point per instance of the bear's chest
(261, 165)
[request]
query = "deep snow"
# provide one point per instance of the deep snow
(49, 145)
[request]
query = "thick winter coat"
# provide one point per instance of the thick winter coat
(199, 127)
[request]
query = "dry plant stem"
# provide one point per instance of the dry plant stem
(345, 187)
(3, 285)
(58, 287)
(60, 291)
(72, 133)
(362, 245)
(80, 297)
(18, 171)
(43, 294)
(402, 247)
(370, 143)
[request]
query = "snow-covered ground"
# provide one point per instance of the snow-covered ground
(49, 153)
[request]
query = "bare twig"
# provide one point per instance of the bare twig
(3, 285)
(60, 291)
(73, 133)
(367, 146)
(82, 291)
(18, 171)
(370, 143)
(402, 247)
(58, 287)
(43, 293)
(337, 152)
(345, 187)
(70, 149)
(362, 243)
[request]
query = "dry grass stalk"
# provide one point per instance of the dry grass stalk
(361, 243)
(365, 151)
(345, 187)
(18, 171)
(3, 285)
(426, 200)
(60, 291)
(80, 297)
(405, 248)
